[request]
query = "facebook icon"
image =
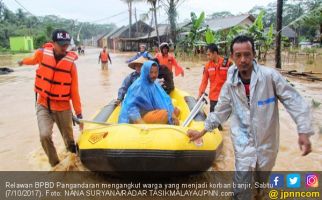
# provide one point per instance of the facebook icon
(276, 180)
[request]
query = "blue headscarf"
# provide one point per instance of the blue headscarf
(145, 95)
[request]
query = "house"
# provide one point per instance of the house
(151, 39)
(120, 39)
(22, 43)
(290, 34)
(225, 23)
(306, 44)
(287, 32)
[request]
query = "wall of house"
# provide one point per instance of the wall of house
(24, 43)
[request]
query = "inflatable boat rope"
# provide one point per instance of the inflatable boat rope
(144, 128)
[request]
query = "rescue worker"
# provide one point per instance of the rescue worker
(143, 52)
(103, 58)
(168, 59)
(127, 82)
(146, 101)
(250, 97)
(56, 84)
(216, 72)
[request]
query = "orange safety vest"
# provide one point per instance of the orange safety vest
(104, 56)
(170, 62)
(217, 75)
(53, 81)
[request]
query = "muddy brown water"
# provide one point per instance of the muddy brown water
(20, 147)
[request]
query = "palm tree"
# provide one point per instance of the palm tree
(154, 9)
(171, 9)
(129, 4)
(279, 19)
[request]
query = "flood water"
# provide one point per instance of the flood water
(20, 147)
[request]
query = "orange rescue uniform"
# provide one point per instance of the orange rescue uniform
(64, 72)
(217, 75)
(104, 56)
(170, 62)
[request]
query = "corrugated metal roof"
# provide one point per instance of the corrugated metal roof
(119, 32)
(286, 31)
(227, 22)
(164, 29)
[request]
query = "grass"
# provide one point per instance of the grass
(8, 51)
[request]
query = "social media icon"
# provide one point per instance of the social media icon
(312, 180)
(276, 180)
(293, 180)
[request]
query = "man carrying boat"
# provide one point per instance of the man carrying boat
(56, 84)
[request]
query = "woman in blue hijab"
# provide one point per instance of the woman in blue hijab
(146, 100)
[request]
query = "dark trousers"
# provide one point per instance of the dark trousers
(213, 105)
(212, 109)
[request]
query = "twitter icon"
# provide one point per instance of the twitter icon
(293, 180)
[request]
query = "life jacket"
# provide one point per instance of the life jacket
(104, 56)
(169, 61)
(53, 81)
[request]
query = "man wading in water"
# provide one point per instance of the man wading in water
(250, 97)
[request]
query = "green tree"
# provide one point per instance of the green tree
(171, 9)
(195, 35)
(154, 10)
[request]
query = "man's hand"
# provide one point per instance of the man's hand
(20, 63)
(175, 121)
(305, 144)
(117, 102)
(81, 125)
(194, 134)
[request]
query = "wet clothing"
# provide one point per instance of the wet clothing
(55, 110)
(255, 127)
(167, 76)
(216, 73)
(156, 117)
(127, 82)
(246, 84)
(145, 54)
(53, 76)
(212, 108)
(213, 105)
(169, 61)
(144, 96)
(104, 57)
(57, 105)
(46, 121)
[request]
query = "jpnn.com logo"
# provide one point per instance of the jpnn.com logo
(312, 180)
(276, 180)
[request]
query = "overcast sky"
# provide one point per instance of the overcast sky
(100, 11)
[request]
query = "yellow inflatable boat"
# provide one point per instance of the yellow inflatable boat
(107, 146)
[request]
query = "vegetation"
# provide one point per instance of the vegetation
(298, 15)
(303, 16)
(20, 23)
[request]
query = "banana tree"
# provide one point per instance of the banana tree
(256, 30)
(195, 34)
(269, 38)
